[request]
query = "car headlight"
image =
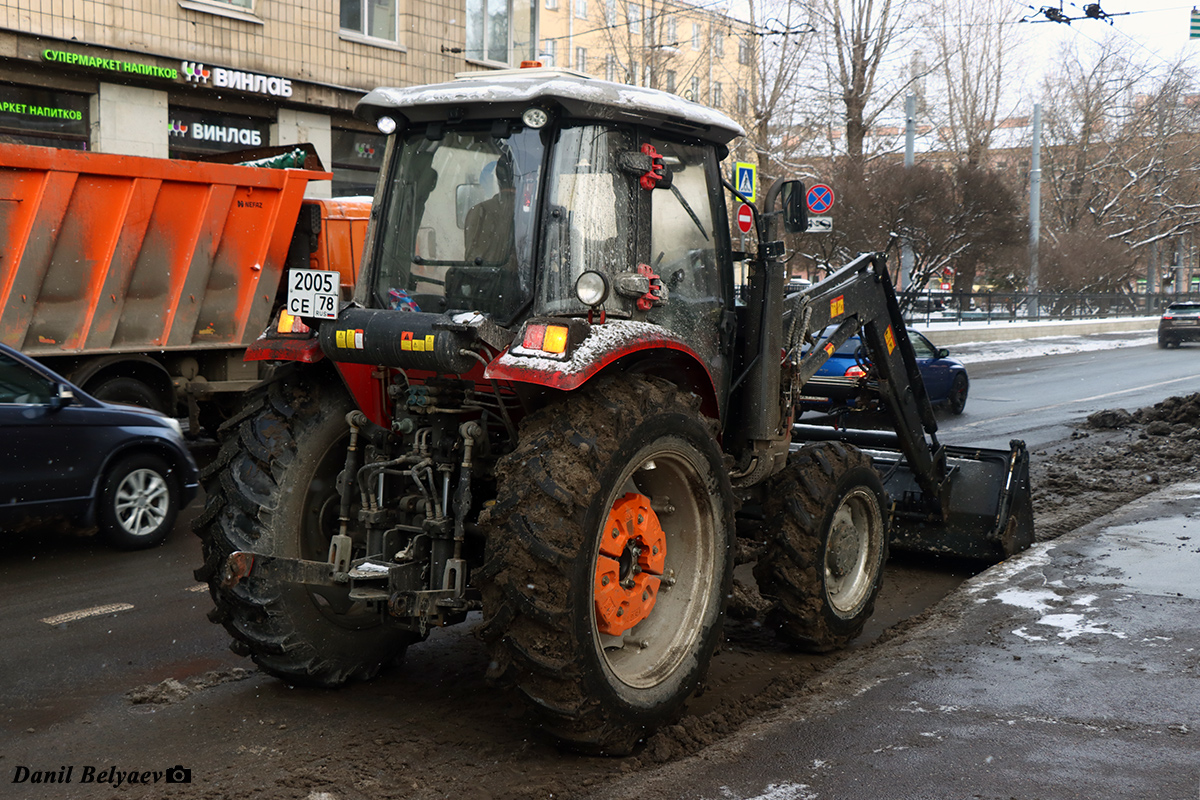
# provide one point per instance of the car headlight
(175, 426)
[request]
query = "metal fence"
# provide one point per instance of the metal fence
(1000, 307)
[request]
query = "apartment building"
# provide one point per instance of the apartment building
(182, 78)
(691, 50)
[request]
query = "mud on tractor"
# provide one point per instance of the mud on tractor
(545, 403)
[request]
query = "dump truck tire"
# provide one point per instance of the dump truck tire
(627, 473)
(272, 490)
(824, 559)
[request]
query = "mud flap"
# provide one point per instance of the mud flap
(985, 511)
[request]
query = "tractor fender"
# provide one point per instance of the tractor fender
(620, 345)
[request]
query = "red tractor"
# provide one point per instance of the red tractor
(546, 402)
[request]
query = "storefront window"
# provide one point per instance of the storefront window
(44, 118)
(357, 157)
(197, 133)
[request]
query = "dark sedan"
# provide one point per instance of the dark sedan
(1180, 323)
(65, 454)
(836, 382)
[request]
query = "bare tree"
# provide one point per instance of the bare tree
(861, 34)
(975, 46)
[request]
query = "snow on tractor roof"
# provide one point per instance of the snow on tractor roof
(503, 93)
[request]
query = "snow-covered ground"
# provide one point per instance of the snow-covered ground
(979, 352)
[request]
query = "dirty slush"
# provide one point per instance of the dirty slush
(445, 732)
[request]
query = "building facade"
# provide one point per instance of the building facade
(184, 78)
(690, 50)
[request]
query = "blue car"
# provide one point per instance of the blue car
(837, 382)
(65, 454)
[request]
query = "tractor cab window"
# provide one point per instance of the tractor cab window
(589, 215)
(457, 231)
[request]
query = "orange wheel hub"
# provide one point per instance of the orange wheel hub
(629, 566)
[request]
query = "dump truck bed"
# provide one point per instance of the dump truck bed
(111, 253)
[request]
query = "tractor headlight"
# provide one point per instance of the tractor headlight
(535, 117)
(591, 288)
(386, 125)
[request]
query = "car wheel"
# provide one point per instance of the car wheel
(138, 503)
(127, 391)
(958, 394)
(1163, 344)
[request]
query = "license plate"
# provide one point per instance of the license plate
(313, 293)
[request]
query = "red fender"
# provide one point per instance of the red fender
(604, 345)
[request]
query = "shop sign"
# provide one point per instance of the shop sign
(203, 131)
(236, 79)
(109, 64)
(43, 111)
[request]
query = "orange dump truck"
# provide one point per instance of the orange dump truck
(144, 280)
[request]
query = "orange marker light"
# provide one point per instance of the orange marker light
(556, 339)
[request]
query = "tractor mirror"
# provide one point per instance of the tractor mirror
(795, 214)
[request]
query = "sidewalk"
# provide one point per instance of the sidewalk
(1070, 671)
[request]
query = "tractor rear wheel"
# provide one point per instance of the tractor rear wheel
(272, 490)
(609, 562)
(824, 562)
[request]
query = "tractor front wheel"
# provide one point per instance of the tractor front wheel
(824, 562)
(609, 562)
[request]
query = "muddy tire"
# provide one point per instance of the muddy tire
(824, 560)
(572, 518)
(272, 490)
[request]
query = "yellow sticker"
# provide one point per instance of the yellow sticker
(837, 306)
(890, 338)
(406, 340)
(429, 343)
(341, 338)
(829, 348)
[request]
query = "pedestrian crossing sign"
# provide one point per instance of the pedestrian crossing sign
(745, 178)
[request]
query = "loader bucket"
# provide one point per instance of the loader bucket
(985, 508)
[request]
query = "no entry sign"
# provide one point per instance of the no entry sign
(745, 218)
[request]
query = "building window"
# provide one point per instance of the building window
(697, 40)
(672, 32)
(22, 118)
(357, 158)
(549, 54)
(610, 11)
(671, 80)
(633, 72)
(500, 31)
(196, 133)
(374, 18)
(581, 9)
(716, 95)
(743, 101)
(581, 59)
(718, 43)
(610, 67)
(647, 76)
(695, 93)
(635, 18)
(744, 50)
(552, 5)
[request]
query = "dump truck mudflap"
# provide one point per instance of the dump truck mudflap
(984, 510)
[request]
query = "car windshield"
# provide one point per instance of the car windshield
(1183, 308)
(457, 230)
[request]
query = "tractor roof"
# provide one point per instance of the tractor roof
(507, 93)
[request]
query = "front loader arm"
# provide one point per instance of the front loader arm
(859, 297)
